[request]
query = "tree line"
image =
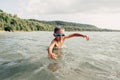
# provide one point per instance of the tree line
(9, 22)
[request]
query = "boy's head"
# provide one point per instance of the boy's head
(59, 31)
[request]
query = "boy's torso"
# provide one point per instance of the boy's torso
(58, 44)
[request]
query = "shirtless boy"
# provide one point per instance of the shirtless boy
(59, 39)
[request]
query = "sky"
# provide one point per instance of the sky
(101, 13)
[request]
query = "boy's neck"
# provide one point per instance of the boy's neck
(58, 40)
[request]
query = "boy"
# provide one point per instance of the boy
(59, 39)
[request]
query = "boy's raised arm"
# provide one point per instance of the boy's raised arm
(77, 35)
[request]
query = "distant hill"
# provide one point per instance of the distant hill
(9, 22)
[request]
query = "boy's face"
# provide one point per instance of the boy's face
(59, 34)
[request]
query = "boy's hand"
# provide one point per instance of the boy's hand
(87, 37)
(52, 56)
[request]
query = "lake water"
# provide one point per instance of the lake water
(23, 56)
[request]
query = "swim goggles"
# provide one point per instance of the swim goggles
(59, 34)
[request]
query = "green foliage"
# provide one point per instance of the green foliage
(10, 22)
(1, 10)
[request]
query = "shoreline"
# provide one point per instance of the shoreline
(66, 31)
(2, 31)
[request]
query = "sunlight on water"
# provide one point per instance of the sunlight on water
(23, 56)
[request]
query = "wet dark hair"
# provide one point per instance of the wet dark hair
(57, 29)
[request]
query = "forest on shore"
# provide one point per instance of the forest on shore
(9, 22)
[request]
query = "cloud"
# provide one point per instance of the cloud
(100, 6)
(37, 7)
(48, 6)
